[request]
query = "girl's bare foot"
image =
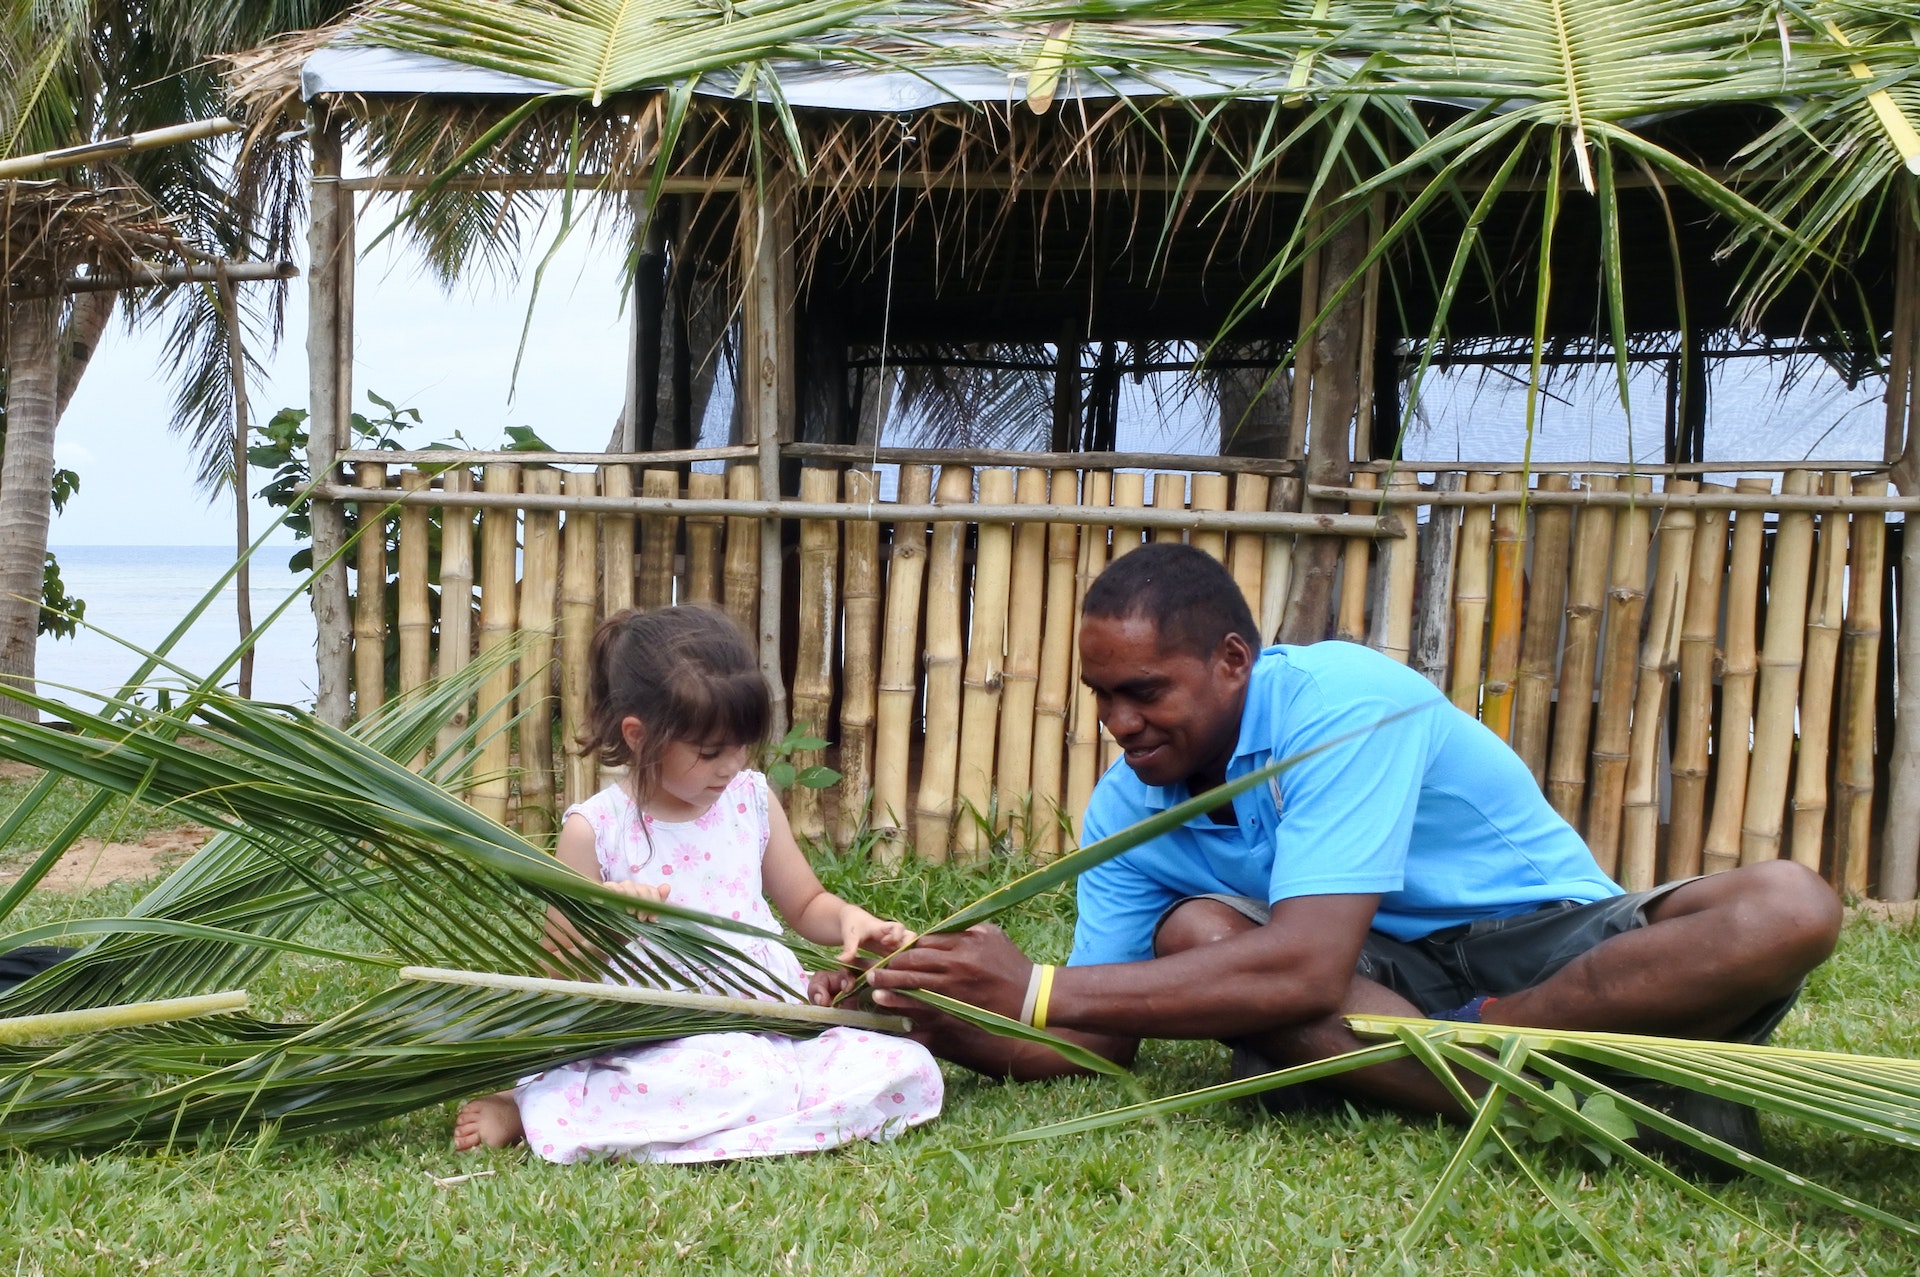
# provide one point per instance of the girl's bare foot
(492, 1120)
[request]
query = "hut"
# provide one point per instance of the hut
(1314, 213)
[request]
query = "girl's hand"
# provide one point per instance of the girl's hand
(861, 930)
(641, 891)
(824, 987)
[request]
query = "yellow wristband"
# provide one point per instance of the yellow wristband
(1042, 995)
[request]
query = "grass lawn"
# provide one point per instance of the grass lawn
(1225, 1190)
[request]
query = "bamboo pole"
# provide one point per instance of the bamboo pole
(1779, 693)
(616, 544)
(1659, 654)
(1169, 493)
(899, 688)
(946, 588)
(704, 537)
(740, 592)
(658, 535)
(579, 585)
(1054, 688)
(539, 626)
(1129, 493)
(1540, 644)
(1276, 567)
(1470, 599)
(1210, 492)
(1019, 682)
(414, 614)
(1613, 720)
(57, 1024)
(1859, 683)
(1433, 588)
(1693, 705)
(986, 657)
(859, 663)
(1586, 596)
(819, 619)
(1246, 551)
(370, 599)
(456, 599)
(1508, 607)
(1083, 722)
(499, 544)
(1825, 609)
(1733, 735)
(1399, 563)
(1350, 618)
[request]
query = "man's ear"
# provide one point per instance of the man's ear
(1234, 657)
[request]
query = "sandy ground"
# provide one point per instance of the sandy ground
(91, 863)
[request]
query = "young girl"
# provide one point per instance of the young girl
(677, 698)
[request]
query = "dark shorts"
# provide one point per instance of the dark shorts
(1498, 956)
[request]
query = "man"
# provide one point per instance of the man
(1413, 869)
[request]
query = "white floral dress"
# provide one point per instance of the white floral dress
(721, 1095)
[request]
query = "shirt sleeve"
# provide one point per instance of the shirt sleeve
(1118, 905)
(1346, 816)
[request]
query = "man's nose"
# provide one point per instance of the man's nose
(1121, 719)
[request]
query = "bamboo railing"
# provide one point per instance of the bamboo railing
(1690, 670)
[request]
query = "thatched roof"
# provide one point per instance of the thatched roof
(54, 230)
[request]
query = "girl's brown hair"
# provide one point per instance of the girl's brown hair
(687, 673)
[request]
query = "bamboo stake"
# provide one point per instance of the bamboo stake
(1399, 563)
(1509, 604)
(740, 592)
(859, 663)
(1169, 493)
(57, 1024)
(370, 599)
(658, 533)
(1019, 683)
(819, 618)
(704, 533)
(1586, 595)
(414, 614)
(1276, 567)
(1210, 492)
(1246, 551)
(1054, 688)
(1350, 620)
(1130, 493)
(1612, 722)
(1780, 657)
(539, 623)
(1825, 610)
(946, 586)
(1659, 654)
(1470, 599)
(1083, 723)
(616, 544)
(899, 687)
(499, 543)
(579, 585)
(456, 598)
(1859, 682)
(1539, 646)
(986, 656)
(1433, 588)
(1693, 705)
(1734, 733)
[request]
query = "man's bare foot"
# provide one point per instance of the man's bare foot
(492, 1120)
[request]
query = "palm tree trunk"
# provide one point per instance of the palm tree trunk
(26, 478)
(86, 324)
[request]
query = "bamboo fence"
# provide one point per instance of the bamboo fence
(1692, 674)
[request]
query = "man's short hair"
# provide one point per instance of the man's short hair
(1186, 593)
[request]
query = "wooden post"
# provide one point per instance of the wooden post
(1433, 587)
(1860, 662)
(1247, 551)
(1612, 724)
(658, 535)
(1055, 689)
(741, 590)
(1540, 644)
(579, 586)
(1019, 682)
(499, 544)
(1083, 721)
(1129, 492)
(1586, 595)
(1169, 493)
(1470, 598)
(1210, 492)
(616, 544)
(1659, 653)
(1393, 628)
(539, 626)
(1733, 734)
(899, 662)
(1276, 562)
(1780, 656)
(329, 404)
(1350, 617)
(456, 598)
(704, 534)
(819, 619)
(859, 663)
(1825, 610)
(766, 388)
(986, 655)
(370, 598)
(1693, 706)
(1508, 605)
(414, 614)
(946, 587)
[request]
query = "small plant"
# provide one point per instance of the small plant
(783, 773)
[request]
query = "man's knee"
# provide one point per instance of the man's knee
(1776, 911)
(1196, 923)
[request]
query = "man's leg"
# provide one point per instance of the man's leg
(1713, 954)
(1403, 1084)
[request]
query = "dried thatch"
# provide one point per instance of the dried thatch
(54, 230)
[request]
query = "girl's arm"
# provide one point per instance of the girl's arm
(576, 851)
(810, 908)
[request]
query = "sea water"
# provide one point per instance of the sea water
(139, 593)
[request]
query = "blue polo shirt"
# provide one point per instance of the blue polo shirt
(1433, 812)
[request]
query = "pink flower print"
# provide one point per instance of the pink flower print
(743, 808)
(899, 1098)
(707, 856)
(666, 869)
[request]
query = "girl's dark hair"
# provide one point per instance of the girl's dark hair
(687, 673)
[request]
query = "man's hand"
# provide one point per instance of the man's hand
(979, 965)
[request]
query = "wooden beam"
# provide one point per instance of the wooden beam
(329, 394)
(765, 390)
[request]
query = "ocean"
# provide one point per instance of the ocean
(140, 592)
